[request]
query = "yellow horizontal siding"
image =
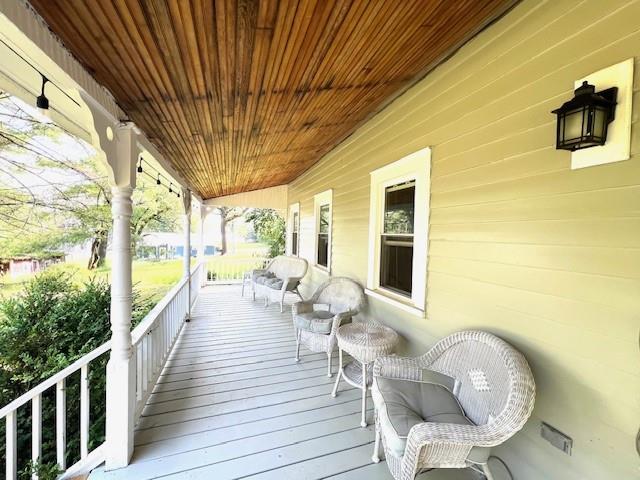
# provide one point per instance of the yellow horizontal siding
(520, 245)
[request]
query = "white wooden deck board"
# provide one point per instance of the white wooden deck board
(232, 403)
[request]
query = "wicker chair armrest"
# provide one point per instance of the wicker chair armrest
(398, 367)
(289, 283)
(338, 319)
(302, 307)
(443, 445)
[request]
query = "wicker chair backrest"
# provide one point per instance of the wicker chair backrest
(285, 266)
(495, 382)
(341, 294)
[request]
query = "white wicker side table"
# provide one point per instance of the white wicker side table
(364, 342)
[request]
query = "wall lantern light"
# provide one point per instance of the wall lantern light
(584, 120)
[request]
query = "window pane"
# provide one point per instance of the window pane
(396, 263)
(294, 243)
(323, 249)
(295, 221)
(324, 219)
(399, 204)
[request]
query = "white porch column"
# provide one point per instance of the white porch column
(201, 242)
(121, 379)
(186, 227)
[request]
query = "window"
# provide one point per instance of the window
(396, 239)
(293, 239)
(399, 217)
(322, 203)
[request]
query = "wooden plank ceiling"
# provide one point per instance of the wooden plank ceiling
(247, 94)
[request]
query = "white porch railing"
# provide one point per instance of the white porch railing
(230, 269)
(152, 341)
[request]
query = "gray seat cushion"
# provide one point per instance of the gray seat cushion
(274, 283)
(318, 321)
(407, 403)
(262, 278)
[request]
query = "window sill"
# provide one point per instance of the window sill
(415, 311)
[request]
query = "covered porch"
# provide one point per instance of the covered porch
(231, 403)
(325, 110)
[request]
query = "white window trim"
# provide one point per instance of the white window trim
(320, 199)
(293, 208)
(416, 166)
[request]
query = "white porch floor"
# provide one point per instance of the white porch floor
(232, 403)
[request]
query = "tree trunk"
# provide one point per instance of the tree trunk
(223, 234)
(98, 250)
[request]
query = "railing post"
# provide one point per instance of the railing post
(186, 201)
(121, 368)
(11, 451)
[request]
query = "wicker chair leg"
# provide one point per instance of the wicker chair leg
(486, 471)
(375, 458)
(282, 302)
(298, 333)
(335, 386)
(363, 423)
(329, 374)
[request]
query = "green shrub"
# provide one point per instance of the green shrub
(47, 326)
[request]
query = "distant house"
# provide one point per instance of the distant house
(166, 245)
(28, 264)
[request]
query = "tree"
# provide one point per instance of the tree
(54, 190)
(269, 228)
(227, 215)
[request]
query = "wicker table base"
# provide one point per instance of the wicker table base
(364, 342)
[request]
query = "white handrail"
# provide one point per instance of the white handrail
(152, 341)
(51, 381)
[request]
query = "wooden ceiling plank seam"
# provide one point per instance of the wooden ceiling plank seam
(312, 67)
(94, 45)
(284, 69)
(247, 21)
(161, 84)
(213, 122)
(166, 41)
(225, 56)
(139, 75)
(208, 47)
(312, 39)
(189, 81)
(266, 15)
(282, 28)
(330, 109)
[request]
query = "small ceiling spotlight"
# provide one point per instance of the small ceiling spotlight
(170, 189)
(42, 102)
(158, 182)
(140, 165)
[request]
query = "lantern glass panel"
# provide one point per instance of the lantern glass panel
(574, 123)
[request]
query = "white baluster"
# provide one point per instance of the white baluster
(36, 431)
(61, 424)
(84, 411)
(11, 449)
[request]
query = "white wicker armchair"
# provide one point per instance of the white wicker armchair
(342, 298)
(494, 387)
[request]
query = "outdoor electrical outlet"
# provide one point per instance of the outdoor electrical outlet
(556, 438)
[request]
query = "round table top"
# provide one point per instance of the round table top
(366, 341)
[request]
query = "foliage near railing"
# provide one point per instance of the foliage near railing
(55, 323)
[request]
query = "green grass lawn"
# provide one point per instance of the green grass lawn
(152, 278)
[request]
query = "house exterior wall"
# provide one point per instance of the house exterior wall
(520, 245)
